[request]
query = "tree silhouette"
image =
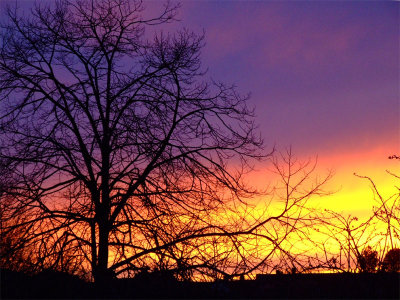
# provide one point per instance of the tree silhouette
(118, 145)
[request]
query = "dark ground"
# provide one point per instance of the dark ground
(334, 286)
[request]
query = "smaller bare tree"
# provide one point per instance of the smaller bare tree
(351, 244)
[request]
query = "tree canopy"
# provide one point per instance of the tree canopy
(118, 144)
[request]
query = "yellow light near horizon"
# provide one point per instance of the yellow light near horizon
(349, 194)
(354, 194)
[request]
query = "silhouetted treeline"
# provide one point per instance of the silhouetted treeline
(345, 285)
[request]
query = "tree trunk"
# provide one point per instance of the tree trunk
(102, 274)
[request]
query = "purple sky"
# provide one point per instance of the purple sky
(323, 76)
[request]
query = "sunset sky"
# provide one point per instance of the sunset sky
(323, 78)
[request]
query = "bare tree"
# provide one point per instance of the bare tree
(124, 158)
(118, 145)
(287, 237)
(387, 212)
(350, 244)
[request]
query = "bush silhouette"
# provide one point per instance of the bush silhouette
(391, 262)
(368, 260)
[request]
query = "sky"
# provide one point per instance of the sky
(323, 75)
(323, 78)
